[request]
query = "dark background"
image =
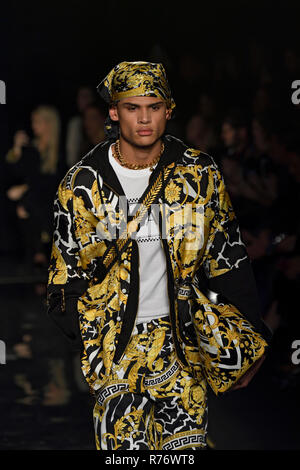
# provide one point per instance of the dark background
(50, 49)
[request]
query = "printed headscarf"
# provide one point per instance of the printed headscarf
(129, 79)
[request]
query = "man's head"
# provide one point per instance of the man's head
(140, 101)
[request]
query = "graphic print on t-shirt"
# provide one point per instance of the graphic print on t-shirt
(149, 229)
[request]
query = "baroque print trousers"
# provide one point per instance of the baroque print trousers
(150, 402)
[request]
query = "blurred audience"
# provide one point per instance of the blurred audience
(32, 168)
(75, 132)
(200, 134)
(93, 119)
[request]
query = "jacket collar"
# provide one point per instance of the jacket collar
(98, 159)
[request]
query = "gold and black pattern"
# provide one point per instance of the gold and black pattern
(228, 344)
(136, 79)
(160, 379)
(115, 387)
(131, 414)
(201, 230)
(184, 440)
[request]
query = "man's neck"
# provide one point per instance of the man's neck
(139, 155)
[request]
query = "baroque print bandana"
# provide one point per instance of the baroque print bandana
(129, 79)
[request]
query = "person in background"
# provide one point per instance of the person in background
(248, 170)
(235, 150)
(32, 167)
(235, 135)
(75, 134)
(199, 133)
(93, 119)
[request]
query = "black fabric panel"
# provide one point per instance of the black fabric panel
(67, 320)
(62, 309)
(131, 306)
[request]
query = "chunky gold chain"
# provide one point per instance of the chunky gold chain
(135, 166)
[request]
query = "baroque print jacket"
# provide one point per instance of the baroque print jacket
(201, 239)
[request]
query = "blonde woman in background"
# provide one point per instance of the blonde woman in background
(32, 169)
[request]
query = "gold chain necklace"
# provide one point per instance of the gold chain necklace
(135, 166)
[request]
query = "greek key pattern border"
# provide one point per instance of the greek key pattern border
(153, 381)
(112, 390)
(184, 440)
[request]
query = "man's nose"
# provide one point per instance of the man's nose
(144, 116)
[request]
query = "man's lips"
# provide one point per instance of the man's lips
(145, 131)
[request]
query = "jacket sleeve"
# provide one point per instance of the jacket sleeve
(66, 280)
(226, 263)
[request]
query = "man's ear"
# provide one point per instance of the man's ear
(168, 113)
(113, 112)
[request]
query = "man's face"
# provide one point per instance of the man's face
(142, 119)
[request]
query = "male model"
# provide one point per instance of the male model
(140, 223)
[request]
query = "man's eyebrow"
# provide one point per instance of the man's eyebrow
(127, 103)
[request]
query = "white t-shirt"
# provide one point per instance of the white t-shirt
(153, 293)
